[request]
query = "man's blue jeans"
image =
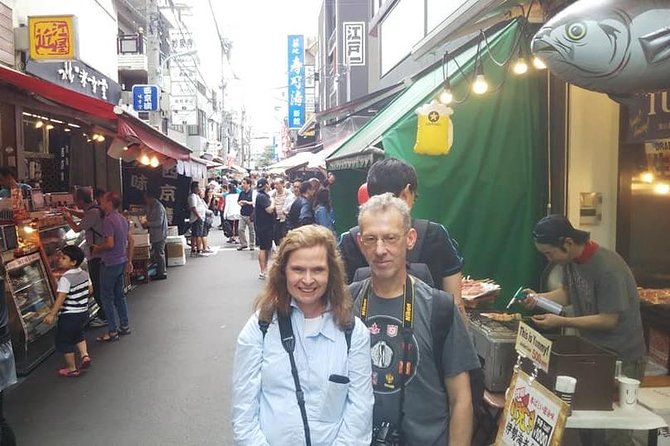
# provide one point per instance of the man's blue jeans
(111, 281)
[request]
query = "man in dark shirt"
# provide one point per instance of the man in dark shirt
(301, 213)
(7, 367)
(246, 202)
(264, 219)
(438, 250)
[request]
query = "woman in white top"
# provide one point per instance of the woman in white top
(306, 294)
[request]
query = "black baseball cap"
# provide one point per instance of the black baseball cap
(262, 183)
(552, 229)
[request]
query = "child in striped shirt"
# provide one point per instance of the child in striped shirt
(74, 289)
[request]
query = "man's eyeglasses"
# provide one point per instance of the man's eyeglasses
(387, 240)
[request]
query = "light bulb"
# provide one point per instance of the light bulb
(100, 138)
(520, 67)
(446, 97)
(662, 188)
(647, 177)
(480, 86)
(539, 63)
(39, 124)
(67, 129)
(125, 148)
(144, 159)
(154, 162)
(50, 126)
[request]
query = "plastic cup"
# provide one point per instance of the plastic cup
(565, 389)
(628, 388)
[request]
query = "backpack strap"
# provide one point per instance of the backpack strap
(263, 325)
(421, 228)
(288, 342)
(348, 331)
(440, 323)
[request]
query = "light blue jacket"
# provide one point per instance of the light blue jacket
(265, 410)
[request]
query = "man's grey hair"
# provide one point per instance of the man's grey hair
(383, 203)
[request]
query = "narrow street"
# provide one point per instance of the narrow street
(168, 383)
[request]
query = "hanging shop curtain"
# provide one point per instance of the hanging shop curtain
(491, 188)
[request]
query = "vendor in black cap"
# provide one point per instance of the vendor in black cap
(600, 287)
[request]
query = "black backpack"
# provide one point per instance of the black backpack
(440, 326)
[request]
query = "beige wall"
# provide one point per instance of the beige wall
(593, 158)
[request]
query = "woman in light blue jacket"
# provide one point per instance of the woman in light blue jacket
(305, 305)
(323, 210)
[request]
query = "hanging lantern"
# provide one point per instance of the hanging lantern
(435, 131)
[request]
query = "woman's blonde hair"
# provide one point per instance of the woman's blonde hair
(275, 296)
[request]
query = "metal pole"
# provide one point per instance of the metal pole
(153, 55)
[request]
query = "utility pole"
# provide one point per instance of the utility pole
(153, 56)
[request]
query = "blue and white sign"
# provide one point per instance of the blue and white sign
(296, 81)
(145, 98)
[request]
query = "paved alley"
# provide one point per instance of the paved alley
(166, 384)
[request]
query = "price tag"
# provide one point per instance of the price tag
(533, 345)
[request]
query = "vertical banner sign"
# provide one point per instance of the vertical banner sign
(533, 415)
(354, 43)
(296, 81)
(52, 38)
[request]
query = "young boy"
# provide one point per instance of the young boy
(74, 289)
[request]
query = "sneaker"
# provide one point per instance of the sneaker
(97, 323)
(242, 248)
(261, 276)
(208, 251)
(253, 248)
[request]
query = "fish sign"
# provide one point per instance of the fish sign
(618, 47)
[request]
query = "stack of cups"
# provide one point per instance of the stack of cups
(565, 389)
(628, 388)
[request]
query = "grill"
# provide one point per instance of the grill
(494, 342)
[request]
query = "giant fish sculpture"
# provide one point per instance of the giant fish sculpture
(618, 47)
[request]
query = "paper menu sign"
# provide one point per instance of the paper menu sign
(531, 344)
(533, 415)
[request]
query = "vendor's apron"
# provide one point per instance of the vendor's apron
(7, 366)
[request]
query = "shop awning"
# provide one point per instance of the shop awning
(52, 92)
(298, 160)
(361, 144)
(128, 125)
(361, 105)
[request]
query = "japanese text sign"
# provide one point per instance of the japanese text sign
(354, 43)
(296, 81)
(52, 37)
(533, 416)
(145, 97)
(77, 76)
(533, 345)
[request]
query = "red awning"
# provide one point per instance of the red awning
(152, 138)
(58, 94)
(128, 125)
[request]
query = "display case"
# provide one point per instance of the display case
(31, 297)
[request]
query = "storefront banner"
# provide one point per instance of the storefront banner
(52, 37)
(296, 81)
(533, 416)
(172, 192)
(649, 117)
(354, 43)
(531, 344)
(77, 76)
(618, 47)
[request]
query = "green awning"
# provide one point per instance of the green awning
(420, 92)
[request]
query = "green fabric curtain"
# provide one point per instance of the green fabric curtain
(344, 196)
(491, 188)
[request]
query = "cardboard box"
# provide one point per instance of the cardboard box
(175, 250)
(176, 239)
(141, 239)
(141, 252)
(173, 231)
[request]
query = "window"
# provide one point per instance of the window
(438, 10)
(403, 27)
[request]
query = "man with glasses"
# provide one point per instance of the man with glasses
(420, 379)
(435, 247)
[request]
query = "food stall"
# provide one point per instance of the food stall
(32, 234)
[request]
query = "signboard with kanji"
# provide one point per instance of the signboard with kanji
(77, 76)
(296, 81)
(52, 38)
(354, 43)
(145, 97)
(533, 415)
